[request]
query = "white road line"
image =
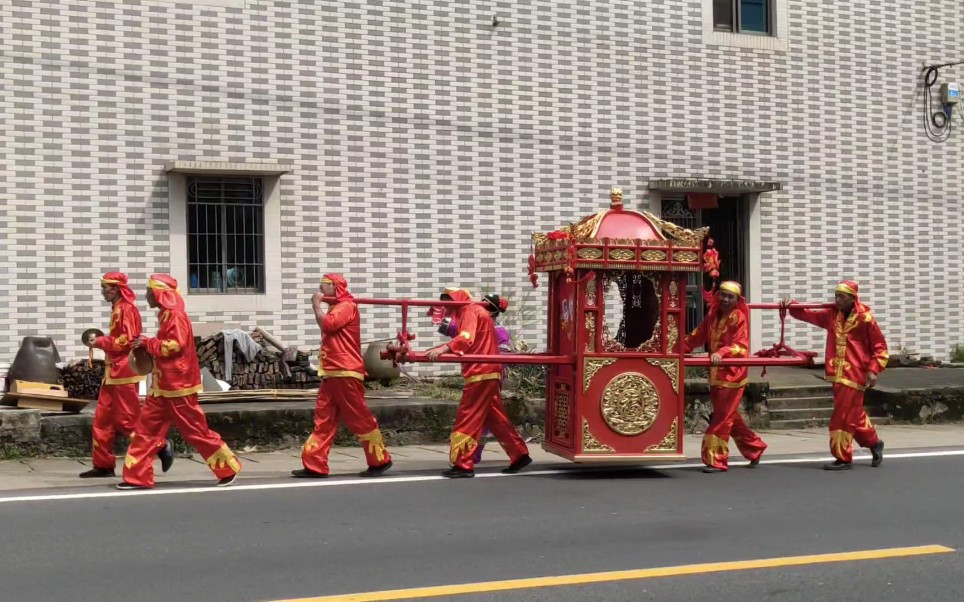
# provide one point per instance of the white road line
(417, 479)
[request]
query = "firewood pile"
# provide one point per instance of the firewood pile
(273, 368)
(81, 380)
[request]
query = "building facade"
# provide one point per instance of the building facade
(248, 146)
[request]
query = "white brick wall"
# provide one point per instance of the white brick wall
(415, 118)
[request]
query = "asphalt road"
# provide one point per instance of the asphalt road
(290, 543)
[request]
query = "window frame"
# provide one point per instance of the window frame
(778, 41)
(221, 304)
(736, 20)
(223, 235)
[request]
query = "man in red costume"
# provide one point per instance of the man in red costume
(856, 354)
(118, 404)
(481, 404)
(173, 396)
(342, 391)
(726, 330)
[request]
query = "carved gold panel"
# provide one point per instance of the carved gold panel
(671, 368)
(669, 442)
(591, 366)
(652, 255)
(590, 331)
(630, 403)
(673, 294)
(622, 254)
(590, 443)
(685, 256)
(589, 253)
(672, 333)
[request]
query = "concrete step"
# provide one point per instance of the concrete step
(802, 423)
(817, 390)
(794, 403)
(800, 413)
(778, 423)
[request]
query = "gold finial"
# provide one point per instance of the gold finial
(616, 197)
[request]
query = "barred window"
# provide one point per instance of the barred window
(225, 220)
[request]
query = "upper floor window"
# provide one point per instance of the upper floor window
(743, 16)
(225, 227)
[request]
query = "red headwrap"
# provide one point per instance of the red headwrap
(119, 280)
(341, 286)
(730, 287)
(458, 294)
(437, 313)
(850, 287)
(165, 291)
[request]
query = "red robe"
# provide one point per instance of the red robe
(341, 342)
(173, 398)
(125, 327)
(176, 369)
(481, 404)
(855, 347)
(855, 344)
(729, 336)
(118, 404)
(341, 395)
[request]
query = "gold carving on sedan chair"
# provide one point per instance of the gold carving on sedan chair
(591, 367)
(630, 403)
(590, 443)
(671, 368)
(669, 442)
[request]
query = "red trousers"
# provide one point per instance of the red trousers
(118, 407)
(157, 416)
(849, 422)
(726, 423)
(343, 398)
(481, 407)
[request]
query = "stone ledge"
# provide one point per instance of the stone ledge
(260, 426)
(921, 406)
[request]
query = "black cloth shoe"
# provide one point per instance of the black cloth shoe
(457, 473)
(878, 452)
(753, 463)
(125, 486)
(166, 456)
(97, 473)
(518, 465)
(837, 465)
(304, 473)
(376, 471)
(227, 480)
(712, 469)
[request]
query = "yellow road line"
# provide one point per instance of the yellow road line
(672, 571)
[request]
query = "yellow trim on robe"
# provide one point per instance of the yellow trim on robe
(460, 443)
(129, 380)
(847, 383)
(169, 346)
(376, 444)
(155, 392)
(341, 374)
(469, 380)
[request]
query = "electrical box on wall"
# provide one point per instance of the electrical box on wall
(950, 93)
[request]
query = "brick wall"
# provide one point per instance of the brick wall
(427, 144)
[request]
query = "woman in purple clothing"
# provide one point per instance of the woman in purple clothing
(449, 328)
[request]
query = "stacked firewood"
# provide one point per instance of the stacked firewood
(273, 367)
(81, 380)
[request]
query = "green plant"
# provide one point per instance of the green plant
(695, 373)
(957, 354)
